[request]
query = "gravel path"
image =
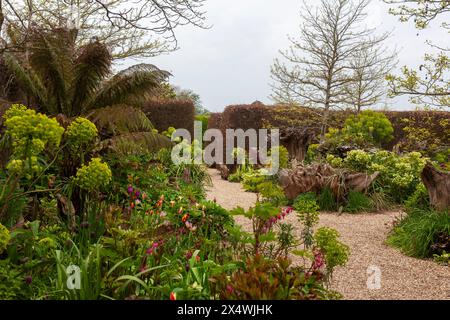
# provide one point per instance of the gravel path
(402, 277)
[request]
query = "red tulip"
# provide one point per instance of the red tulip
(173, 296)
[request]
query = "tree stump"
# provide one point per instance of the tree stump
(438, 185)
(315, 178)
(296, 141)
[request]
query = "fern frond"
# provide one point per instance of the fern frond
(92, 65)
(120, 119)
(51, 59)
(29, 81)
(132, 86)
(136, 143)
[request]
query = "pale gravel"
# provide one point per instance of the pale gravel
(402, 277)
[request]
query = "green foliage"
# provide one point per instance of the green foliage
(399, 174)
(326, 200)
(4, 238)
(418, 231)
(264, 279)
(368, 128)
(272, 192)
(427, 90)
(420, 199)
(358, 202)
(312, 153)
(267, 188)
(80, 133)
(428, 135)
(169, 132)
(65, 78)
(11, 282)
(336, 253)
(371, 125)
(31, 132)
(308, 214)
(204, 119)
(443, 258)
(282, 154)
(93, 176)
(251, 180)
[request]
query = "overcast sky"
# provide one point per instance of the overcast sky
(230, 63)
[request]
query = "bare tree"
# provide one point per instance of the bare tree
(318, 71)
(141, 28)
(369, 68)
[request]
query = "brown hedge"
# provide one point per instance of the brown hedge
(176, 113)
(258, 115)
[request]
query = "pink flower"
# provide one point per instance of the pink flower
(229, 289)
(130, 189)
(319, 261)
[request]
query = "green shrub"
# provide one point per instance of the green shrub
(283, 156)
(4, 238)
(416, 234)
(336, 253)
(204, 119)
(399, 174)
(358, 202)
(11, 282)
(312, 154)
(308, 214)
(419, 199)
(370, 125)
(251, 180)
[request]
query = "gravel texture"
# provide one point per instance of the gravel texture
(402, 277)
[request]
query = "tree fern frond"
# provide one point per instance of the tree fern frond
(92, 65)
(136, 143)
(120, 119)
(51, 59)
(132, 86)
(29, 81)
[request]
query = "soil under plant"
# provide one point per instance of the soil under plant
(402, 277)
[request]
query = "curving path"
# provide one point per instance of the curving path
(402, 277)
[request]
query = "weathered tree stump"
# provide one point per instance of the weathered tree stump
(438, 185)
(315, 178)
(296, 141)
(224, 171)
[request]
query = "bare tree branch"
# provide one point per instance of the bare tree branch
(317, 70)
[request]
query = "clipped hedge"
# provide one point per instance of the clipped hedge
(258, 115)
(166, 113)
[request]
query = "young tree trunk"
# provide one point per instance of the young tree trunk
(438, 185)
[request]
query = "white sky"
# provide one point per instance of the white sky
(230, 63)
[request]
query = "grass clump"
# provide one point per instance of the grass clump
(420, 233)
(358, 202)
